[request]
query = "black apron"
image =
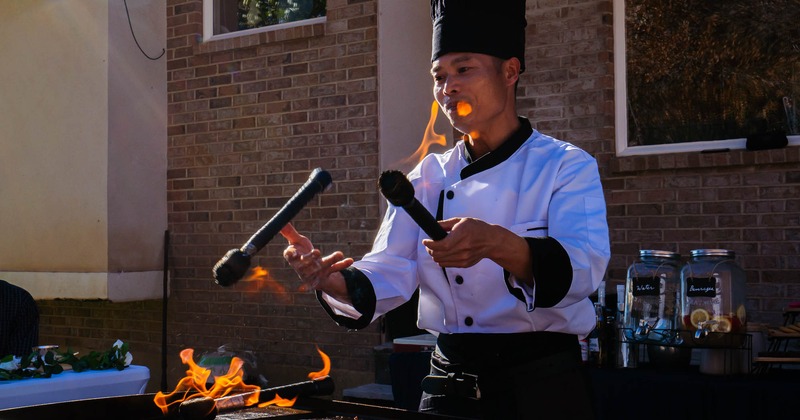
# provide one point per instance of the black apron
(536, 375)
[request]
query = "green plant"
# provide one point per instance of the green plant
(34, 365)
(113, 358)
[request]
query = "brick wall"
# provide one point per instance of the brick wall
(567, 90)
(249, 118)
(94, 325)
(747, 201)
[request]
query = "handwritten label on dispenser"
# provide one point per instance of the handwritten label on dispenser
(646, 286)
(701, 287)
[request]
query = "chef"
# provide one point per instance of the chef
(506, 292)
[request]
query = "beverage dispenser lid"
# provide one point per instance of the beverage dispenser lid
(655, 253)
(712, 253)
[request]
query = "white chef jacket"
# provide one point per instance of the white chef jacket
(546, 187)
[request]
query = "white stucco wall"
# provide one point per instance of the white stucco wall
(405, 85)
(82, 148)
(137, 120)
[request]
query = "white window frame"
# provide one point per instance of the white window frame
(208, 25)
(621, 108)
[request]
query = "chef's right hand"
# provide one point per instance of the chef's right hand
(315, 271)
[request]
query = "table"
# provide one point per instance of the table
(649, 393)
(69, 385)
(688, 394)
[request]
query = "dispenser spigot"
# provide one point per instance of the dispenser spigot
(705, 327)
(643, 329)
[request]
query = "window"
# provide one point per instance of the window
(230, 18)
(697, 74)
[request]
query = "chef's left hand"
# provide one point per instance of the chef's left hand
(470, 240)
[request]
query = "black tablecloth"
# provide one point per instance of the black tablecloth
(646, 393)
(688, 394)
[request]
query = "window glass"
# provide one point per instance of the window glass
(700, 70)
(239, 15)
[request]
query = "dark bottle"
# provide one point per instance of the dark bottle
(603, 339)
(596, 338)
(609, 344)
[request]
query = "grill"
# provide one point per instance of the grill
(142, 407)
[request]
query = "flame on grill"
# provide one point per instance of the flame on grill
(278, 401)
(193, 385)
(326, 367)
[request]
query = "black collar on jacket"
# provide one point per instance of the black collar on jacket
(499, 155)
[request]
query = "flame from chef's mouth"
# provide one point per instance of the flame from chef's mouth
(428, 139)
(463, 109)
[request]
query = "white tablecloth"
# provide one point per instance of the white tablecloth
(69, 385)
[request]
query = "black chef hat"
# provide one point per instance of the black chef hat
(495, 28)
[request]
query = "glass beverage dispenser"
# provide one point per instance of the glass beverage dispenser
(652, 287)
(713, 298)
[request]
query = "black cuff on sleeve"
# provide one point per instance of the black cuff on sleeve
(361, 294)
(552, 271)
(513, 290)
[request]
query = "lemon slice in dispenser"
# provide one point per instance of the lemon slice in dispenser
(724, 324)
(741, 313)
(699, 315)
